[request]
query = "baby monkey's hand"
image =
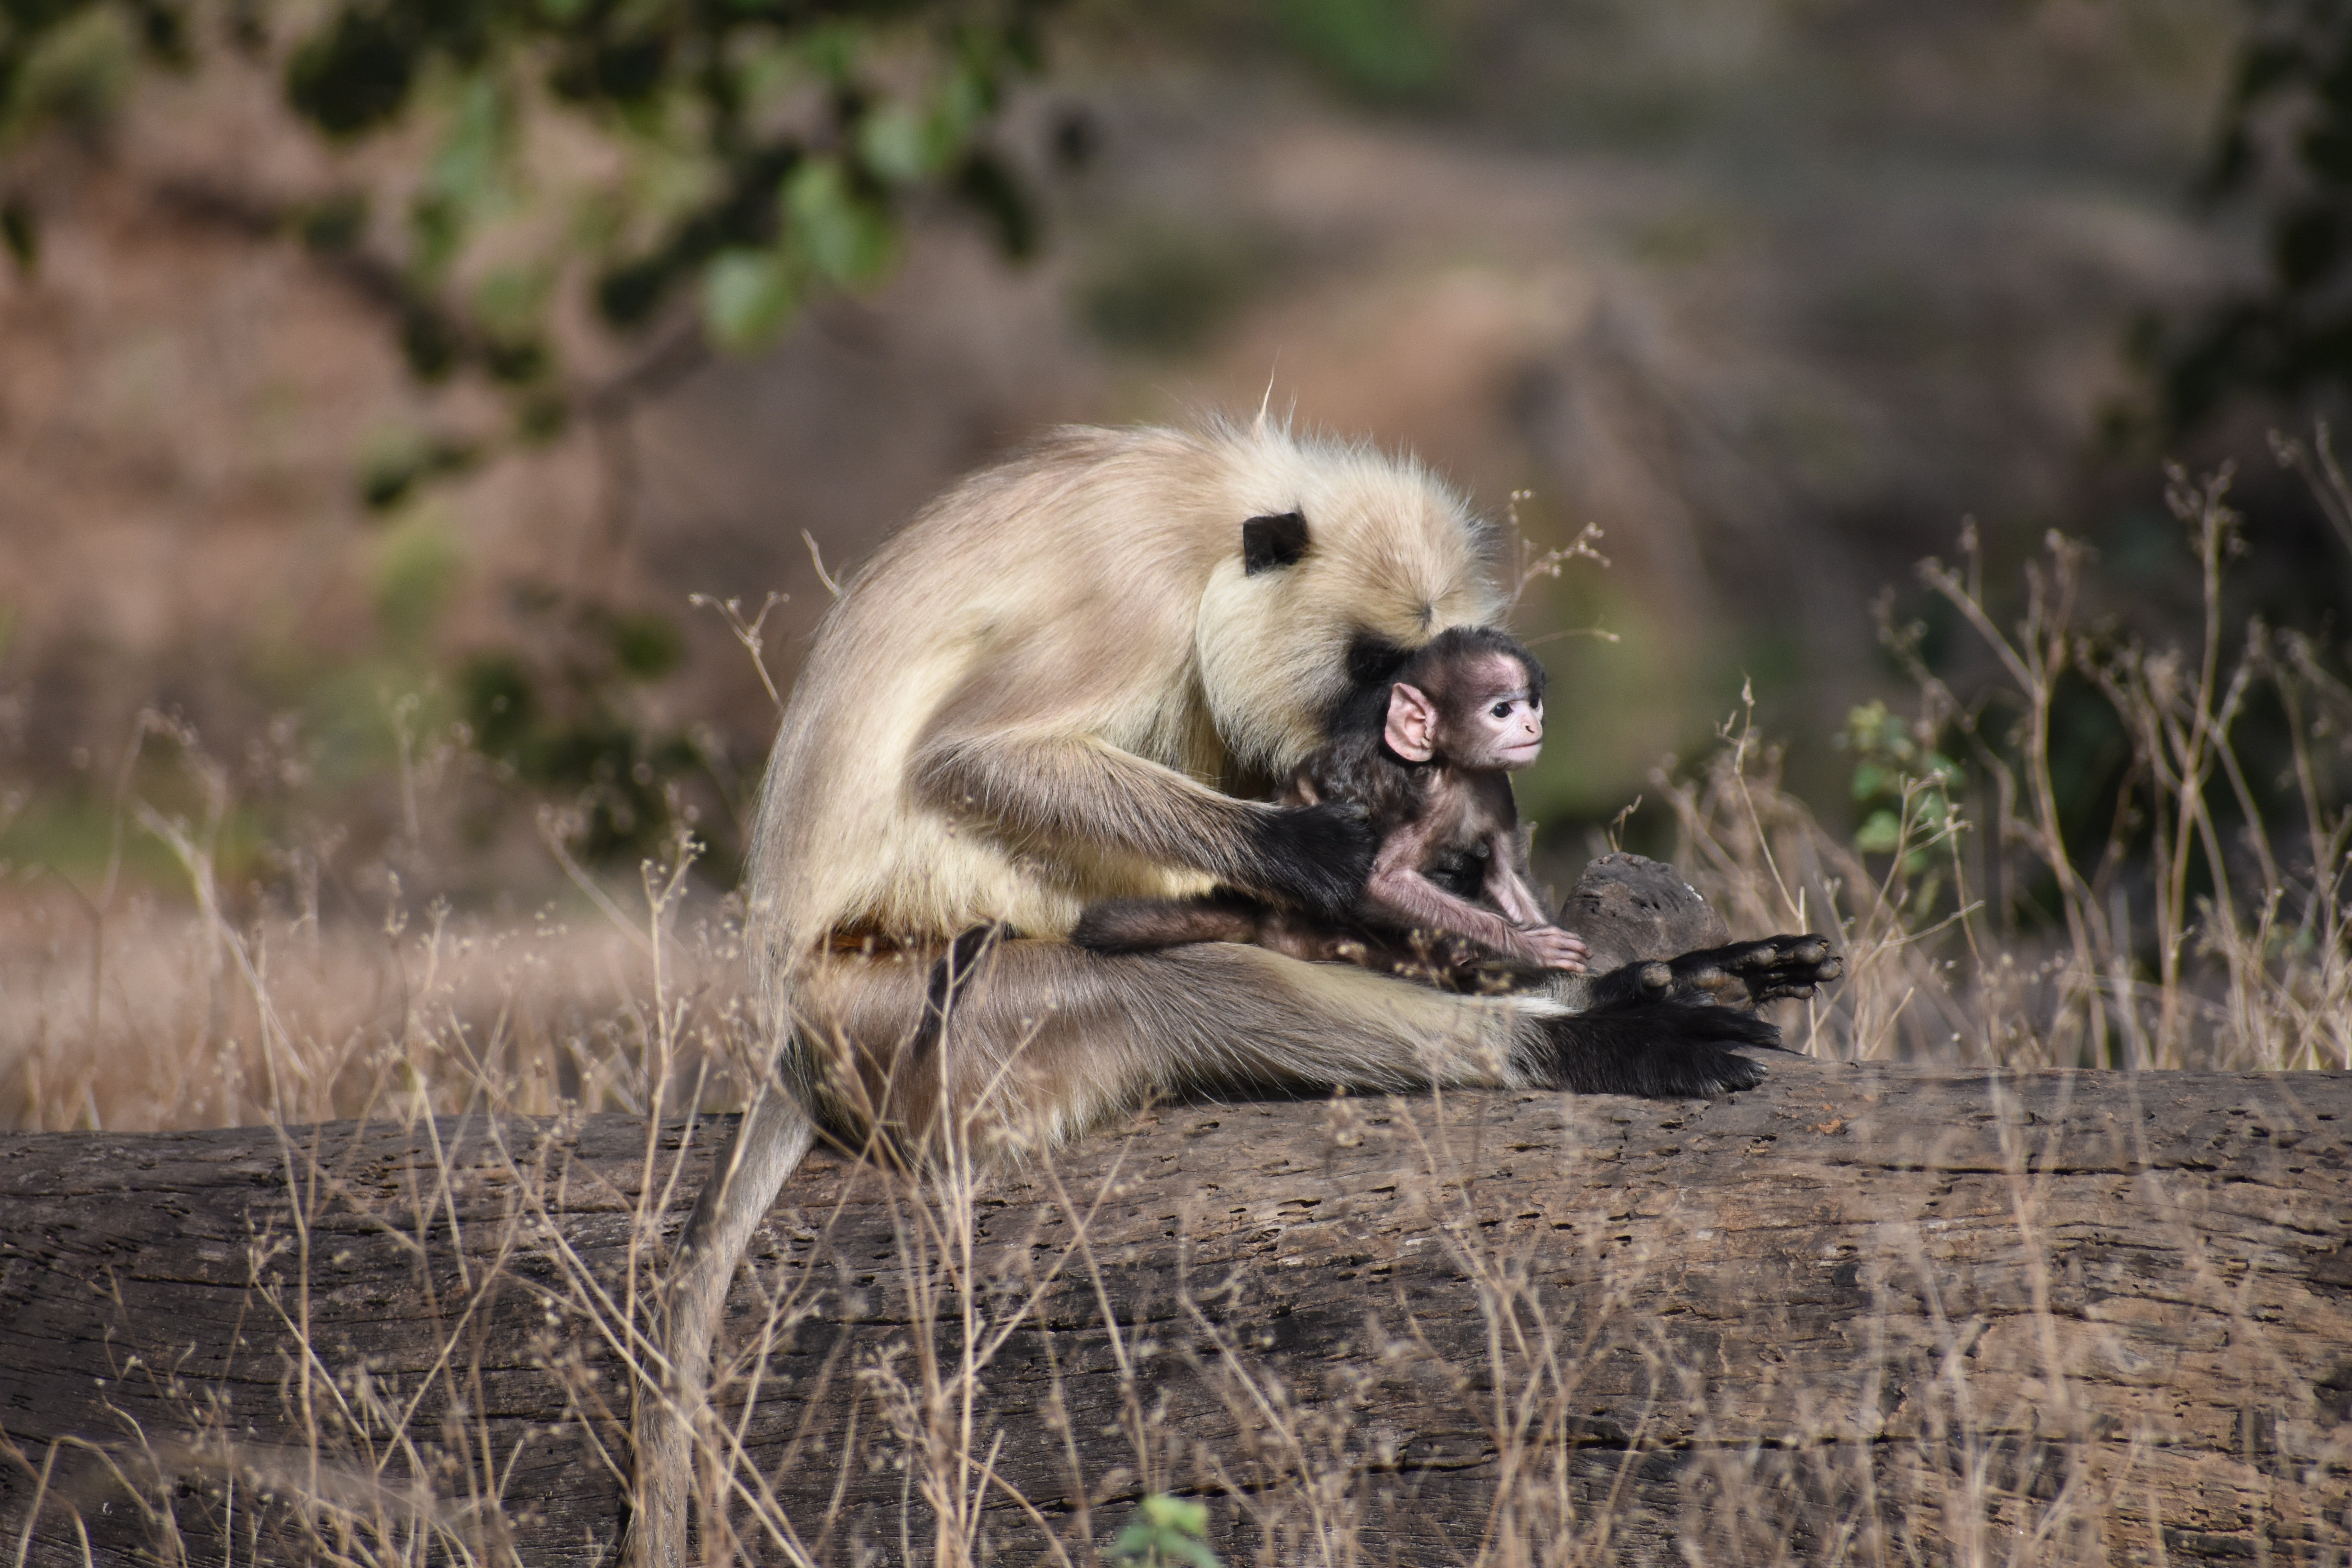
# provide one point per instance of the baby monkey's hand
(1556, 949)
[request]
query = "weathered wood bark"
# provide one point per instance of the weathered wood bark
(1855, 1313)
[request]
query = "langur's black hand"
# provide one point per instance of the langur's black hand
(1315, 857)
(1751, 974)
(1743, 976)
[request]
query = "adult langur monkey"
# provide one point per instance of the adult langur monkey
(1063, 682)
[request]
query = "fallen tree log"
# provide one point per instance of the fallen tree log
(1860, 1313)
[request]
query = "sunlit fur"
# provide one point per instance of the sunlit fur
(1087, 596)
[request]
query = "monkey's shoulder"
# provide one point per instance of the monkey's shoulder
(1389, 792)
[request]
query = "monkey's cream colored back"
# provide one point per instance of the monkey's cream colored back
(1092, 587)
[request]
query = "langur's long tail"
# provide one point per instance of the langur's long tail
(768, 1144)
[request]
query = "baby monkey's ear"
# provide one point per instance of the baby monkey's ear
(1411, 732)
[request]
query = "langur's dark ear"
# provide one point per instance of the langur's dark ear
(1271, 542)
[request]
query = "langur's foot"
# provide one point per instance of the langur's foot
(1662, 1050)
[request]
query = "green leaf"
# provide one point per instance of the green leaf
(746, 298)
(967, 100)
(898, 144)
(1169, 1530)
(844, 236)
(646, 647)
(334, 222)
(510, 299)
(1881, 834)
(1177, 1513)
(832, 49)
(437, 228)
(1382, 48)
(68, 64)
(416, 566)
(464, 180)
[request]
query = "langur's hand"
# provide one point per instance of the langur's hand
(1315, 857)
(1557, 948)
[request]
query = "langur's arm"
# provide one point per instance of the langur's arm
(1061, 790)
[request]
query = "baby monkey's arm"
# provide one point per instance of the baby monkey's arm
(1398, 888)
(1508, 885)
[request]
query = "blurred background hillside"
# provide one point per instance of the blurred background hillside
(366, 423)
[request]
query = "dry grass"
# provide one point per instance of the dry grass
(2185, 940)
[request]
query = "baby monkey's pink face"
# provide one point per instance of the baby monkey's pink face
(1489, 717)
(1503, 728)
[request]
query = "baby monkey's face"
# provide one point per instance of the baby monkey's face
(1480, 713)
(1501, 723)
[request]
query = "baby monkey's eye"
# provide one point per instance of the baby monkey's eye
(1501, 710)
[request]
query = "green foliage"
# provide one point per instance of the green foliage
(574, 736)
(646, 647)
(417, 563)
(334, 222)
(2285, 146)
(1380, 49)
(723, 189)
(1902, 783)
(64, 62)
(1166, 1530)
(394, 467)
(24, 241)
(746, 298)
(846, 233)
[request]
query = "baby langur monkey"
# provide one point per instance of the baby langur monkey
(1425, 751)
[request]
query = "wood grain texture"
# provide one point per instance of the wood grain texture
(1858, 1313)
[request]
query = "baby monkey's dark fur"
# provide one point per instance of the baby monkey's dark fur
(1446, 825)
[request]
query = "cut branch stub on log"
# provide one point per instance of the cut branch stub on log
(1857, 1314)
(1628, 906)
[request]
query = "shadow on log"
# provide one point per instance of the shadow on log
(1861, 1314)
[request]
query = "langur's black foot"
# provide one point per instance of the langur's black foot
(1751, 973)
(1315, 857)
(1664, 1050)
